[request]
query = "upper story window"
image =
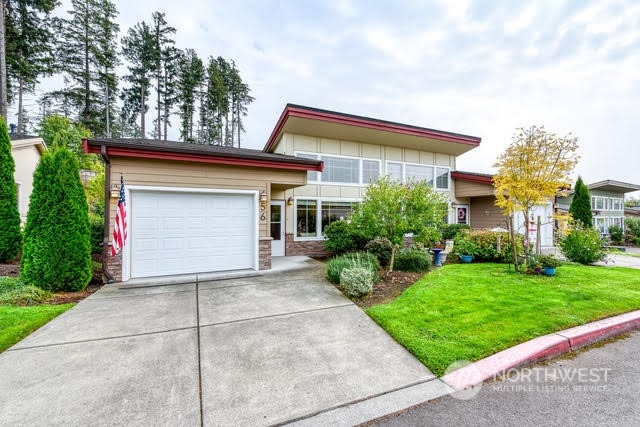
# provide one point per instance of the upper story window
(600, 203)
(410, 171)
(343, 170)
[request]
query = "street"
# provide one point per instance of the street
(599, 386)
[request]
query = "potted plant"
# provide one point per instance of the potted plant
(465, 249)
(549, 263)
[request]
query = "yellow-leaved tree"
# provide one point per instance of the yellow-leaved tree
(533, 169)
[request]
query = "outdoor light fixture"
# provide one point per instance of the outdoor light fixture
(290, 201)
(115, 191)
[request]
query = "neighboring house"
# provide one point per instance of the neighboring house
(607, 203)
(26, 151)
(355, 150)
(633, 211)
(198, 208)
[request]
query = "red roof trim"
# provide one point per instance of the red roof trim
(480, 179)
(198, 158)
(332, 117)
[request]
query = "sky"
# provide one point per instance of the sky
(482, 68)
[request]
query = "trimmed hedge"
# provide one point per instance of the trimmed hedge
(382, 248)
(342, 237)
(483, 245)
(57, 246)
(412, 260)
(10, 234)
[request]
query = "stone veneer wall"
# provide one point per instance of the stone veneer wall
(264, 254)
(307, 247)
(114, 265)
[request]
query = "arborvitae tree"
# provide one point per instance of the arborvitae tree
(29, 47)
(580, 208)
(86, 56)
(10, 236)
(138, 49)
(57, 248)
(190, 75)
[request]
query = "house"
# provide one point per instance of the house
(26, 151)
(199, 208)
(355, 150)
(607, 203)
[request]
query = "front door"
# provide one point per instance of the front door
(277, 228)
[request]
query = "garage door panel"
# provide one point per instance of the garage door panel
(181, 232)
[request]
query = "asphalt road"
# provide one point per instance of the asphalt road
(599, 386)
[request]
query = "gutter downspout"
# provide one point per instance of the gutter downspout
(107, 212)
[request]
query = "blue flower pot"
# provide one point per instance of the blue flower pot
(549, 271)
(466, 258)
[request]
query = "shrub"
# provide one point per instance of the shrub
(547, 261)
(381, 247)
(57, 247)
(342, 237)
(483, 245)
(14, 292)
(583, 245)
(351, 260)
(96, 224)
(10, 234)
(451, 230)
(580, 208)
(633, 230)
(616, 234)
(412, 259)
(356, 281)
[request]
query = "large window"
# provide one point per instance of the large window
(312, 216)
(343, 170)
(602, 223)
(599, 203)
(410, 171)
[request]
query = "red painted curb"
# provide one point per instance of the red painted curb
(590, 333)
(541, 348)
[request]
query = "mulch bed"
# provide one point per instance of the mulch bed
(12, 269)
(390, 287)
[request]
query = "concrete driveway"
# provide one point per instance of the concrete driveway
(247, 351)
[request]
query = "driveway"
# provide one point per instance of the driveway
(247, 351)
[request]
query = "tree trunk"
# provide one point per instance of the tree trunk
(87, 85)
(159, 107)
(3, 64)
(142, 102)
(393, 257)
(20, 84)
(513, 243)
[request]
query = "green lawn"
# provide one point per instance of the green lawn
(470, 311)
(18, 322)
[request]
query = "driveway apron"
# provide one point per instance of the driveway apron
(249, 351)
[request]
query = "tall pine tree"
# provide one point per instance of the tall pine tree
(163, 47)
(190, 77)
(580, 208)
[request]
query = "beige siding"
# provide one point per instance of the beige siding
(26, 160)
(472, 189)
(160, 173)
(483, 213)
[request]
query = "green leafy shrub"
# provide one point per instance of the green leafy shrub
(616, 234)
(381, 247)
(633, 230)
(57, 246)
(483, 245)
(351, 260)
(96, 224)
(583, 245)
(342, 237)
(356, 281)
(413, 260)
(10, 234)
(548, 261)
(451, 230)
(14, 292)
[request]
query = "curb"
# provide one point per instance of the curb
(535, 350)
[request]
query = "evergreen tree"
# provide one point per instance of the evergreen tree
(60, 132)
(163, 48)
(87, 58)
(190, 76)
(240, 99)
(138, 49)
(29, 47)
(580, 208)
(57, 248)
(10, 236)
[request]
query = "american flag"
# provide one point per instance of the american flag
(120, 226)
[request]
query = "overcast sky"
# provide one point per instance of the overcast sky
(480, 67)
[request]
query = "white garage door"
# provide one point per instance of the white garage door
(178, 233)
